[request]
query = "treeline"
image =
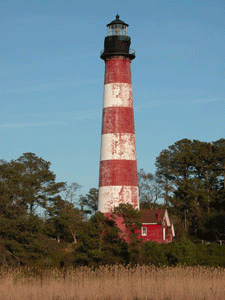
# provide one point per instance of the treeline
(37, 213)
(44, 222)
(190, 179)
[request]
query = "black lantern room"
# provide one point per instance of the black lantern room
(117, 41)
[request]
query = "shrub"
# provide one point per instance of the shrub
(153, 253)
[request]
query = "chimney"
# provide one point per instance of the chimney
(158, 216)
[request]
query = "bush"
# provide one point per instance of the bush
(215, 255)
(181, 253)
(152, 253)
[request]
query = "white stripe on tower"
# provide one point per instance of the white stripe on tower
(118, 94)
(118, 181)
(118, 146)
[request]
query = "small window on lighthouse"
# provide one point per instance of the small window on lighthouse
(144, 231)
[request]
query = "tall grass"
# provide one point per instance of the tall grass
(113, 283)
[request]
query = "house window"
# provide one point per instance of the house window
(164, 233)
(144, 231)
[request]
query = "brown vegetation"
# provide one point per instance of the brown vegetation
(113, 283)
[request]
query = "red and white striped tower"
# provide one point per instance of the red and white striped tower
(118, 182)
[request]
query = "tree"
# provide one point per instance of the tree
(100, 243)
(89, 202)
(27, 186)
(35, 182)
(218, 202)
(149, 190)
(69, 192)
(12, 202)
(64, 220)
(214, 228)
(191, 175)
(131, 218)
(164, 176)
(92, 199)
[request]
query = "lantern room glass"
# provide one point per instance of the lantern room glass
(117, 29)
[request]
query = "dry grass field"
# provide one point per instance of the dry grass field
(114, 283)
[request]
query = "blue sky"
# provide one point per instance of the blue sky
(51, 78)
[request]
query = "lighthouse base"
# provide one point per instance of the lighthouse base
(112, 196)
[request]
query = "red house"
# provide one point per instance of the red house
(156, 226)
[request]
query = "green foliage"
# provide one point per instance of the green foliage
(186, 252)
(89, 202)
(191, 175)
(149, 190)
(214, 227)
(64, 220)
(216, 255)
(92, 199)
(36, 182)
(100, 243)
(153, 254)
(131, 218)
(26, 186)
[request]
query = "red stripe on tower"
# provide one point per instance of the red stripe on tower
(118, 120)
(117, 70)
(118, 181)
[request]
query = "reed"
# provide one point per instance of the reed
(113, 283)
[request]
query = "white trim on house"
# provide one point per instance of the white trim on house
(144, 231)
(166, 216)
(173, 231)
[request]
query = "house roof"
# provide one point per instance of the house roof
(153, 216)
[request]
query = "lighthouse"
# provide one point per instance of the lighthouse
(118, 181)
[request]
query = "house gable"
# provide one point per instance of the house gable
(156, 226)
